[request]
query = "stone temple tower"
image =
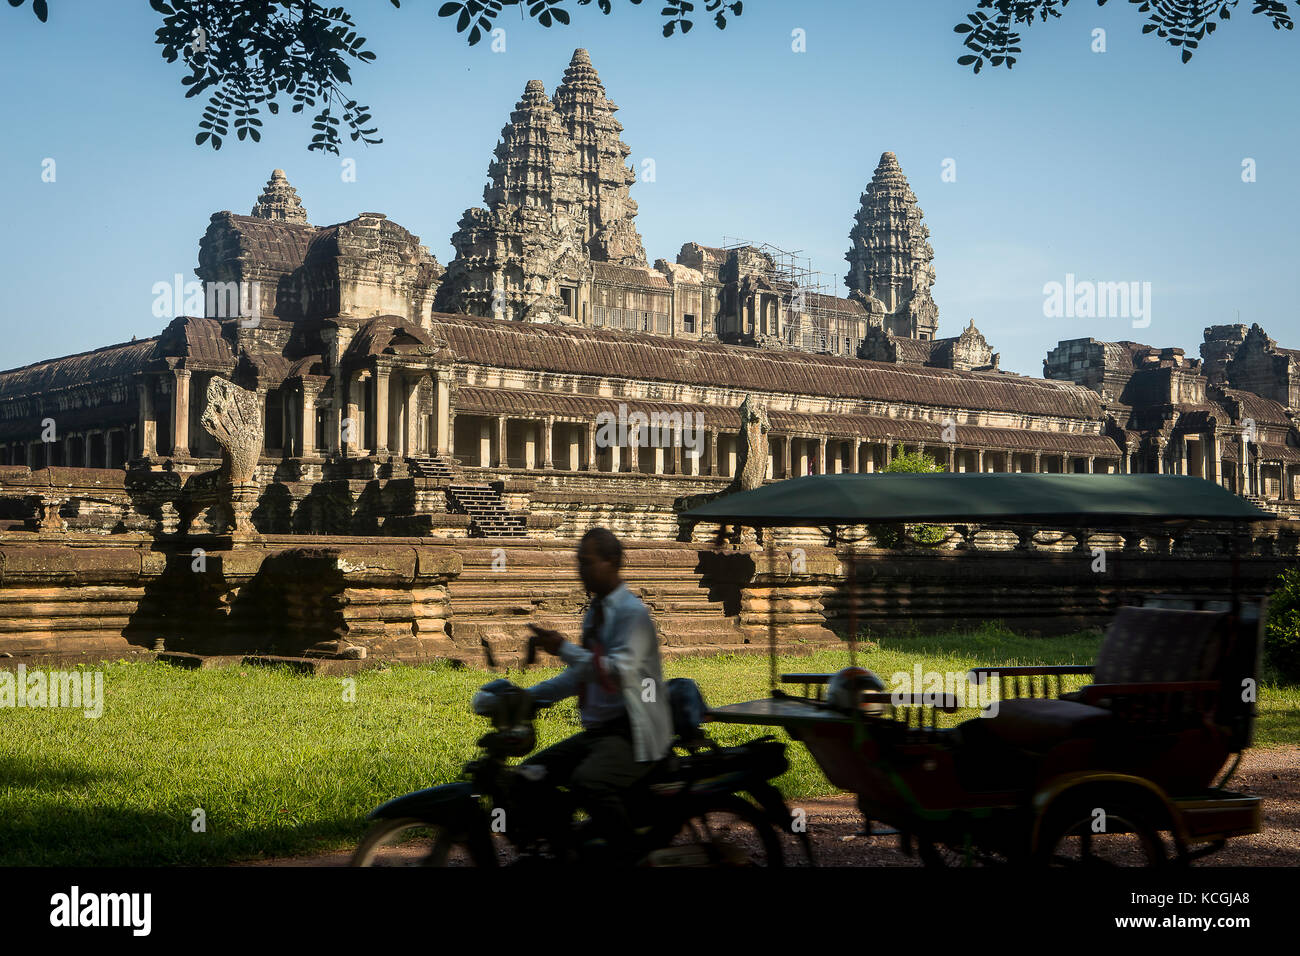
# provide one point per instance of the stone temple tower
(602, 164)
(557, 200)
(279, 200)
(890, 258)
(514, 257)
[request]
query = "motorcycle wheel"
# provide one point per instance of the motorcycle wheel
(409, 841)
(728, 831)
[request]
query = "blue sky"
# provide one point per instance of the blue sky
(1115, 166)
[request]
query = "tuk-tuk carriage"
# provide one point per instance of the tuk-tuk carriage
(1046, 775)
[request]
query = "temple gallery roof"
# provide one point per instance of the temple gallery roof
(110, 362)
(585, 351)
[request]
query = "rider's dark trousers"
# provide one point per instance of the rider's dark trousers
(597, 765)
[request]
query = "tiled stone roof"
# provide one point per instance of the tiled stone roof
(583, 351)
(378, 336)
(199, 341)
(110, 362)
(629, 275)
(273, 244)
(1263, 410)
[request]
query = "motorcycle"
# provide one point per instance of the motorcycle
(703, 805)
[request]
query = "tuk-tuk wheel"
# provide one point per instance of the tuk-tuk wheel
(1070, 837)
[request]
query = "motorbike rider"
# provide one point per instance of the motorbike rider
(616, 674)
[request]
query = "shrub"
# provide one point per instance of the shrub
(1282, 631)
(927, 534)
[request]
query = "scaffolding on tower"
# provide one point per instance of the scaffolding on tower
(817, 320)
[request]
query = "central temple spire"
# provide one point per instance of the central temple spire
(588, 115)
(891, 259)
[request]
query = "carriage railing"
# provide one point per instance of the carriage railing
(909, 710)
(1037, 680)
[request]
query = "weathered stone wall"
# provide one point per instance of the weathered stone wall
(73, 597)
(411, 599)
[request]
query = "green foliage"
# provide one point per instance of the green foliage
(249, 53)
(1282, 631)
(478, 16)
(913, 463)
(1183, 24)
(925, 534)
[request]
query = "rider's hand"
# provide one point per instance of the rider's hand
(546, 639)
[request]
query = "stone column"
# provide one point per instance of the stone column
(1213, 465)
(1092, 465)
(411, 445)
(575, 447)
(591, 446)
(787, 463)
(381, 412)
(442, 413)
(334, 418)
(1038, 463)
(548, 429)
(711, 449)
(821, 456)
(147, 420)
(952, 458)
(484, 444)
(85, 450)
(1160, 457)
(350, 428)
(310, 391)
(1243, 481)
(530, 444)
(871, 458)
(180, 414)
(979, 460)
(502, 430)
(659, 460)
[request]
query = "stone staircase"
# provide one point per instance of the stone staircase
(499, 593)
(1264, 504)
(424, 466)
(488, 515)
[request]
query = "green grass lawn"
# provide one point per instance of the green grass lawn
(282, 764)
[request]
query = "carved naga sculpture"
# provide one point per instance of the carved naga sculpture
(751, 446)
(233, 417)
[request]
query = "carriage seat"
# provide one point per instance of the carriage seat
(1143, 645)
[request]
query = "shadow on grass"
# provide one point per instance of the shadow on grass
(90, 836)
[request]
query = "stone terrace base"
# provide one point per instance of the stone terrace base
(93, 597)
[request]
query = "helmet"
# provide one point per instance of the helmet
(510, 708)
(844, 687)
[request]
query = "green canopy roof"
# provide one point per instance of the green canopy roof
(818, 500)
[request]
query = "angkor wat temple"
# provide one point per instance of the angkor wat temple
(368, 355)
(397, 397)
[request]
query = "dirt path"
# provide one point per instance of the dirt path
(834, 825)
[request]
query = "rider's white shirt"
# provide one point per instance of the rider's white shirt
(632, 659)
